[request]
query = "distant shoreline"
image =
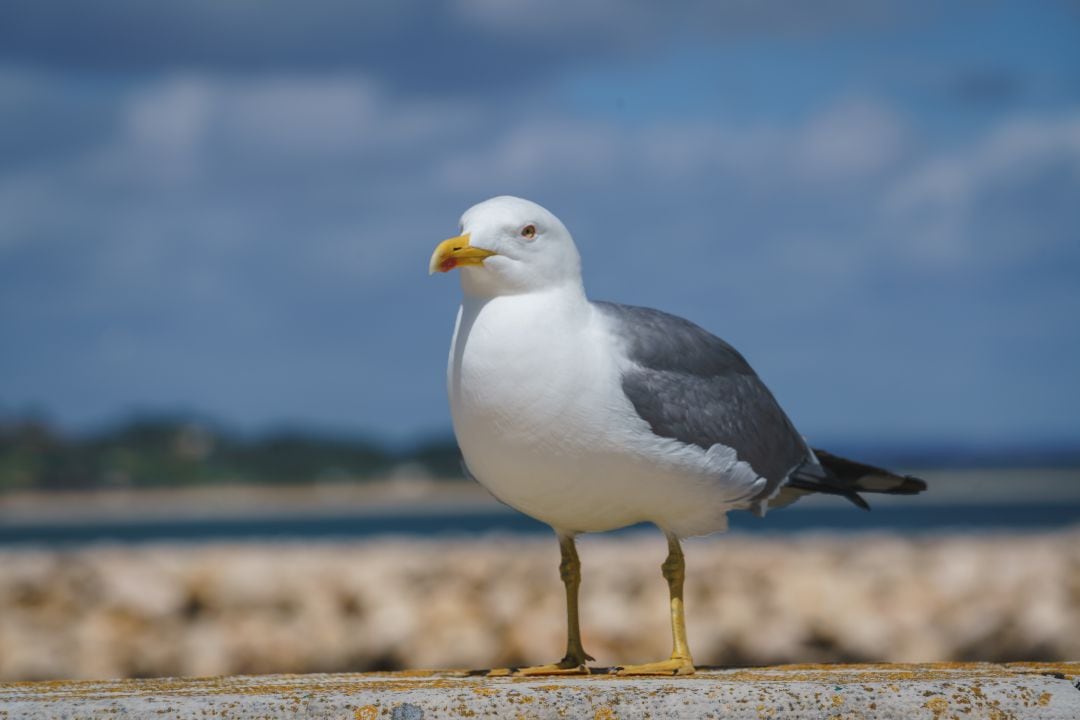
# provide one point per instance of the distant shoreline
(977, 501)
(417, 493)
(391, 494)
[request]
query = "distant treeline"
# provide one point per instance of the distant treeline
(172, 452)
(148, 452)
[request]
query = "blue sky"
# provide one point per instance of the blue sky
(227, 208)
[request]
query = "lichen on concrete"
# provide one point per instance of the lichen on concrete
(934, 691)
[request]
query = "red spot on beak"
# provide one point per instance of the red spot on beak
(448, 264)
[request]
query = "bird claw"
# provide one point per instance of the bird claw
(563, 667)
(672, 666)
(553, 669)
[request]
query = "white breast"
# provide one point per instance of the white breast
(539, 413)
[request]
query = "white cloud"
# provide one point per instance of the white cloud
(315, 117)
(847, 195)
(187, 129)
(535, 152)
(173, 114)
(203, 191)
(183, 137)
(938, 211)
(165, 130)
(850, 141)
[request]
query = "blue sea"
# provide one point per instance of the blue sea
(908, 519)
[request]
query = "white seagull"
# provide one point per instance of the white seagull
(591, 416)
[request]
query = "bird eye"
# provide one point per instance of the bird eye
(528, 232)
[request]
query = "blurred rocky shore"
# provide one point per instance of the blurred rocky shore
(209, 609)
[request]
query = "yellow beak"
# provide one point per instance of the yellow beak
(456, 252)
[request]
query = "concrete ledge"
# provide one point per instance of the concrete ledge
(937, 692)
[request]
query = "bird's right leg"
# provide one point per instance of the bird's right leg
(680, 662)
(574, 662)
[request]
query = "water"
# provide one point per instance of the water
(910, 519)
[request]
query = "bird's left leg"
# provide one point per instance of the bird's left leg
(573, 663)
(680, 662)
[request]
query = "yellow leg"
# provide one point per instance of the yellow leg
(573, 663)
(680, 663)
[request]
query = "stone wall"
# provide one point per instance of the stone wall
(224, 609)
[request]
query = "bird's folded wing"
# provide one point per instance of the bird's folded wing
(691, 386)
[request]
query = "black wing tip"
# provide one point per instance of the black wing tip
(908, 485)
(912, 485)
(852, 472)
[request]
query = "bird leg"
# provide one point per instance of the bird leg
(573, 663)
(680, 662)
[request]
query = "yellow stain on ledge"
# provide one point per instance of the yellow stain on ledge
(938, 705)
(367, 712)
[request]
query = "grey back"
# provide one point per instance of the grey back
(691, 386)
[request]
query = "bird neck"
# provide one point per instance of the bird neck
(566, 301)
(477, 289)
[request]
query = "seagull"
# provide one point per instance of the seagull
(592, 416)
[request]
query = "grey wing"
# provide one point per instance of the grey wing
(691, 386)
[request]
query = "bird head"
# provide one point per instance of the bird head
(509, 246)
